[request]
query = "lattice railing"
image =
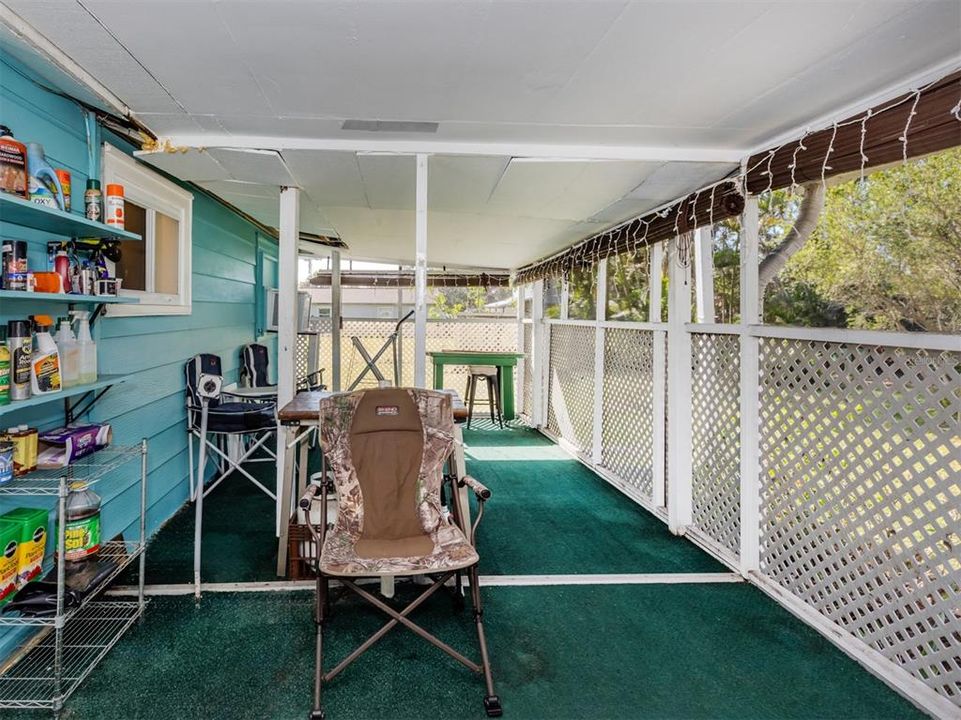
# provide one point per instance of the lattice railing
(627, 445)
(528, 349)
(494, 334)
(715, 436)
(861, 494)
(570, 409)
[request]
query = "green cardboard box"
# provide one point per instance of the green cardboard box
(32, 526)
(9, 544)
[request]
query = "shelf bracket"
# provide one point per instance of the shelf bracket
(70, 411)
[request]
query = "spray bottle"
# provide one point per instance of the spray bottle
(69, 354)
(88, 349)
(45, 363)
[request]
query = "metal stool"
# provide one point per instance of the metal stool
(490, 374)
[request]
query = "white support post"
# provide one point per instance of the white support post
(335, 320)
(565, 299)
(538, 355)
(286, 332)
(659, 494)
(520, 297)
(420, 275)
(750, 371)
(679, 471)
(704, 274)
(600, 315)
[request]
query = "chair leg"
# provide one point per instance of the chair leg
(498, 401)
(470, 401)
(492, 703)
(320, 619)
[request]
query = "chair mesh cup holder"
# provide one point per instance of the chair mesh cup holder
(387, 449)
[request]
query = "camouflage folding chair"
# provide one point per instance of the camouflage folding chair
(387, 449)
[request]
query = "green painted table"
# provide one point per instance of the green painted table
(505, 362)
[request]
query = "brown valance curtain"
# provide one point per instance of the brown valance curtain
(696, 210)
(934, 126)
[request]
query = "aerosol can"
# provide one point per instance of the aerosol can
(88, 349)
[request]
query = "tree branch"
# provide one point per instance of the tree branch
(807, 220)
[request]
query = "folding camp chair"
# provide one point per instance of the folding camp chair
(254, 364)
(387, 448)
(370, 362)
(213, 422)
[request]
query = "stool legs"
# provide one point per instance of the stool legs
(471, 390)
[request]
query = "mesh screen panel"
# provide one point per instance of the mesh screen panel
(570, 410)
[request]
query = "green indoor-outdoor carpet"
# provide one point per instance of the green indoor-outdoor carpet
(549, 514)
(600, 652)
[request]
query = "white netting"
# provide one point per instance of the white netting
(570, 409)
(861, 494)
(628, 419)
(715, 436)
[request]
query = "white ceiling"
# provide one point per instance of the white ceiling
(691, 80)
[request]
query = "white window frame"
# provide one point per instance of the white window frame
(156, 194)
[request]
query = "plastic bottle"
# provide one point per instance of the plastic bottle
(69, 354)
(4, 368)
(20, 344)
(45, 363)
(44, 185)
(61, 266)
(114, 206)
(88, 349)
(82, 524)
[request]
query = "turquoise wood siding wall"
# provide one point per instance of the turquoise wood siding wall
(229, 258)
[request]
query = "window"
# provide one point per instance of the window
(156, 270)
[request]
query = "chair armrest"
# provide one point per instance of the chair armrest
(308, 496)
(479, 489)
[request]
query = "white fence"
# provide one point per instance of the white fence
(853, 520)
(492, 334)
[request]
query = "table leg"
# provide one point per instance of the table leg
(284, 495)
(507, 390)
(438, 375)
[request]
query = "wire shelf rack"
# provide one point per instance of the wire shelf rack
(119, 551)
(87, 637)
(90, 470)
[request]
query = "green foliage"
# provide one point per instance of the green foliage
(456, 301)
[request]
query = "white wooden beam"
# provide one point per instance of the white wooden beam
(539, 355)
(750, 370)
(420, 274)
(335, 315)
(659, 380)
(600, 315)
(548, 151)
(704, 274)
(679, 498)
(286, 331)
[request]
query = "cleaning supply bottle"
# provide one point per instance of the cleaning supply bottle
(43, 183)
(88, 349)
(4, 368)
(45, 363)
(69, 354)
(13, 164)
(32, 436)
(20, 344)
(82, 524)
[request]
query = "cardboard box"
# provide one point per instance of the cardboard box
(9, 544)
(32, 532)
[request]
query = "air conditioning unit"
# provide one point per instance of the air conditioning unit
(303, 311)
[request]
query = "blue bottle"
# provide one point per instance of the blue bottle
(44, 185)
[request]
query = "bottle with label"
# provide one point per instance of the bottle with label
(4, 368)
(88, 349)
(114, 206)
(82, 524)
(13, 164)
(20, 345)
(45, 363)
(21, 450)
(32, 438)
(93, 201)
(69, 354)
(43, 183)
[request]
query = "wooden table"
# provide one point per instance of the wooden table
(503, 361)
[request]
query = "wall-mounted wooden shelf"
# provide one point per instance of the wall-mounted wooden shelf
(18, 211)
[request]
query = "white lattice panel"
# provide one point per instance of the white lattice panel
(715, 436)
(528, 368)
(861, 494)
(570, 410)
(628, 419)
